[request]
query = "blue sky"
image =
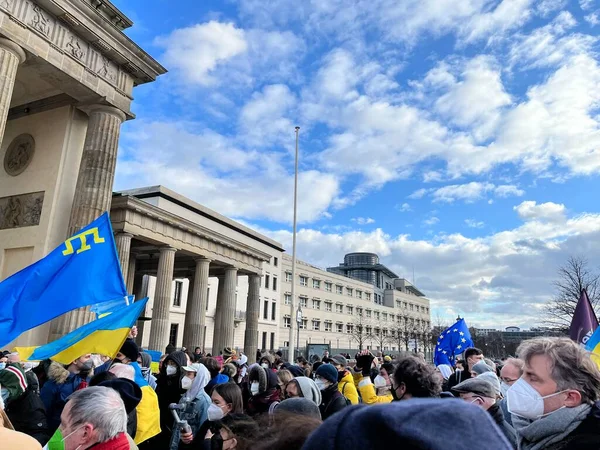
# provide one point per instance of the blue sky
(460, 138)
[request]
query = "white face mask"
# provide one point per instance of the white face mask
(321, 385)
(504, 388)
(524, 401)
(171, 370)
(186, 383)
(254, 387)
(215, 412)
(379, 381)
(264, 365)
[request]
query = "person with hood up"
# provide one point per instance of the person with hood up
(62, 382)
(479, 391)
(267, 362)
(332, 401)
(304, 387)
(169, 390)
(194, 403)
(263, 390)
(294, 369)
(145, 362)
(418, 424)
(378, 390)
(345, 379)
(23, 405)
(216, 377)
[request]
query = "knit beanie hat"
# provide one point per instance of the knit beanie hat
(328, 372)
(341, 360)
(309, 389)
(298, 406)
(481, 367)
(130, 349)
(13, 379)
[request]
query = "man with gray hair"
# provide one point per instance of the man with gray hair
(94, 417)
(511, 371)
(554, 405)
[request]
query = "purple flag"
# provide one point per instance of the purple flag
(584, 321)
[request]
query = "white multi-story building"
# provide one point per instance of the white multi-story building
(343, 312)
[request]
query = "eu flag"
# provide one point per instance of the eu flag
(452, 341)
(82, 271)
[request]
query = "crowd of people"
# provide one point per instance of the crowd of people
(545, 398)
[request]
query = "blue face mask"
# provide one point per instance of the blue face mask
(2, 366)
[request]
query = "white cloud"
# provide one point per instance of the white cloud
(419, 193)
(586, 4)
(507, 15)
(545, 7)
(404, 207)
(471, 192)
(530, 210)
(196, 51)
(471, 223)
(508, 190)
(363, 220)
(431, 221)
(593, 19)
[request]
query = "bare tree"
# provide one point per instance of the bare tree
(361, 330)
(380, 336)
(572, 278)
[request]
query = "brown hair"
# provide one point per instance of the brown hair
(232, 395)
(284, 376)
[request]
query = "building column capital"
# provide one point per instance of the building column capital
(202, 259)
(103, 109)
(14, 48)
(167, 249)
(123, 234)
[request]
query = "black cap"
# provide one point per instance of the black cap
(130, 349)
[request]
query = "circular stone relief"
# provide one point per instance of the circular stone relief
(19, 154)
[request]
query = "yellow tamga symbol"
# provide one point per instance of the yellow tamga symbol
(83, 239)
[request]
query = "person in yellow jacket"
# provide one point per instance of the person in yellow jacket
(345, 380)
(380, 389)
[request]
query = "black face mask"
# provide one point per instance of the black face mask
(341, 375)
(395, 395)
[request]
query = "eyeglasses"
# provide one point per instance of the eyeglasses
(508, 380)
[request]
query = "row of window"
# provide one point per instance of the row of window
(339, 308)
(266, 310)
(267, 282)
(339, 289)
(339, 327)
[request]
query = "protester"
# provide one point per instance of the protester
(131, 394)
(122, 371)
(267, 362)
(294, 420)
(432, 424)
(284, 376)
(11, 439)
(480, 368)
(62, 382)
(555, 403)
(145, 362)
(23, 405)
(195, 403)
(226, 399)
(229, 355)
(304, 387)
(414, 378)
(198, 354)
(332, 400)
(93, 417)
(292, 407)
(479, 391)
(511, 371)
(472, 356)
(169, 391)
(234, 432)
(263, 389)
(230, 371)
(345, 379)
(371, 393)
(215, 374)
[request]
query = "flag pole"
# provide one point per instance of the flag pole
(291, 355)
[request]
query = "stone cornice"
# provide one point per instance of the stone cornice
(185, 231)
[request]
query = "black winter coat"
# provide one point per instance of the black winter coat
(332, 401)
(586, 436)
(28, 416)
(509, 432)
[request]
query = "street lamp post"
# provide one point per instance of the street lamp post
(293, 301)
(299, 322)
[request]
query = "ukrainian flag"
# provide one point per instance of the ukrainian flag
(103, 336)
(593, 346)
(148, 414)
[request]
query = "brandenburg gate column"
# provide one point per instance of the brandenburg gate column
(252, 313)
(159, 325)
(123, 243)
(195, 313)
(11, 55)
(224, 327)
(93, 191)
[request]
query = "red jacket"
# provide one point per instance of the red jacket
(118, 443)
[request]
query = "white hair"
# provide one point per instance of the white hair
(123, 371)
(101, 407)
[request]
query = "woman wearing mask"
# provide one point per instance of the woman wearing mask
(283, 378)
(194, 404)
(169, 390)
(332, 400)
(263, 390)
(267, 362)
(233, 432)
(226, 399)
(145, 362)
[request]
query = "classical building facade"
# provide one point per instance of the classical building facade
(343, 311)
(66, 86)
(212, 282)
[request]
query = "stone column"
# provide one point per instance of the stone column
(11, 55)
(224, 326)
(130, 280)
(159, 325)
(252, 314)
(195, 313)
(93, 192)
(140, 290)
(123, 243)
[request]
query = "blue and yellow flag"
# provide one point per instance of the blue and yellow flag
(148, 414)
(82, 271)
(104, 336)
(593, 346)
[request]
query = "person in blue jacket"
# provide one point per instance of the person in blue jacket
(62, 382)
